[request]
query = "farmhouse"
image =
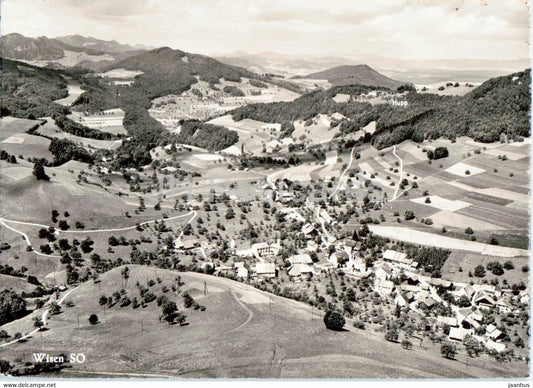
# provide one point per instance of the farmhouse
(397, 257)
(384, 288)
(300, 270)
(302, 258)
(447, 321)
(265, 270)
(338, 258)
(459, 334)
(265, 249)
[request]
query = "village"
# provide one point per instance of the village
(460, 312)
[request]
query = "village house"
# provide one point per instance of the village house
(324, 266)
(300, 271)
(384, 288)
(383, 272)
(265, 270)
(265, 249)
(398, 258)
(302, 258)
(338, 258)
(311, 246)
(459, 334)
(240, 270)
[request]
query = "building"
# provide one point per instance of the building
(384, 287)
(459, 334)
(339, 257)
(265, 249)
(265, 270)
(302, 258)
(300, 270)
(397, 257)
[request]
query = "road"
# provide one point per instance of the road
(342, 175)
(44, 318)
(401, 173)
(27, 239)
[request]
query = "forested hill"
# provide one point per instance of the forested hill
(169, 71)
(358, 74)
(500, 105)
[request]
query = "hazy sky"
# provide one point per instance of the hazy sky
(424, 29)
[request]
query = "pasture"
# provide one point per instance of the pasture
(242, 333)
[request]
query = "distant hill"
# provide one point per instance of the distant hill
(75, 51)
(499, 106)
(355, 75)
(17, 46)
(107, 46)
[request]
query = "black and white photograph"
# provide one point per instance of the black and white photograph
(203, 191)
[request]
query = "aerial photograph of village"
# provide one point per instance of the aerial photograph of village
(265, 189)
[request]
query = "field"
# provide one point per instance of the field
(202, 101)
(242, 333)
(74, 91)
(16, 141)
(50, 129)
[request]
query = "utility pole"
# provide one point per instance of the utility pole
(205, 288)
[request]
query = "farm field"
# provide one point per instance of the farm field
(289, 340)
(74, 91)
(50, 129)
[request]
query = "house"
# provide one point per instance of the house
(447, 321)
(400, 301)
(357, 264)
(309, 230)
(311, 246)
(265, 249)
(483, 300)
(241, 270)
(397, 257)
(428, 302)
(265, 270)
(493, 333)
(459, 334)
(302, 258)
(325, 216)
(499, 347)
(300, 270)
(338, 258)
(185, 244)
(384, 287)
(383, 272)
(503, 306)
(324, 266)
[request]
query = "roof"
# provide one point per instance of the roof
(302, 258)
(458, 333)
(262, 268)
(495, 346)
(399, 257)
(299, 269)
(450, 321)
(341, 255)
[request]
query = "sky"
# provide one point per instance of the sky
(403, 29)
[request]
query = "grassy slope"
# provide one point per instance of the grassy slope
(232, 338)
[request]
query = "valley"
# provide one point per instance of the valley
(219, 217)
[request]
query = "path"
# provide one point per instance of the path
(250, 312)
(401, 173)
(44, 318)
(342, 175)
(27, 239)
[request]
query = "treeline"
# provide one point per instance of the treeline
(65, 150)
(208, 136)
(500, 105)
(28, 91)
(12, 306)
(74, 128)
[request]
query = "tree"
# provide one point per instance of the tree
(448, 350)
(39, 173)
(409, 215)
(5, 366)
(103, 300)
(54, 308)
(93, 319)
(63, 225)
(86, 245)
(406, 344)
(508, 265)
(469, 230)
(38, 323)
(334, 321)
(479, 271)
(392, 334)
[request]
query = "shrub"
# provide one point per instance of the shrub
(93, 319)
(334, 321)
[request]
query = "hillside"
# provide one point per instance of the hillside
(358, 74)
(108, 46)
(66, 52)
(243, 333)
(498, 106)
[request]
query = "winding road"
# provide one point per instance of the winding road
(28, 242)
